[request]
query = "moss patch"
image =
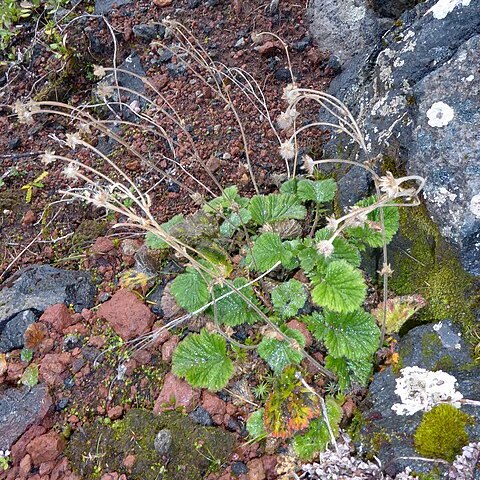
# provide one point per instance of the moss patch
(424, 263)
(88, 231)
(442, 433)
(100, 448)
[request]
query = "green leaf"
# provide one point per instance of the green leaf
(30, 376)
(354, 335)
(278, 353)
(156, 243)
(26, 355)
(349, 372)
(255, 424)
(342, 249)
(190, 290)
(319, 191)
(275, 207)
(288, 298)
(266, 252)
(233, 310)
(228, 198)
(371, 234)
(290, 186)
(317, 437)
(202, 360)
(342, 288)
(234, 221)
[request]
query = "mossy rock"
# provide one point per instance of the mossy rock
(442, 433)
(88, 231)
(195, 450)
(424, 263)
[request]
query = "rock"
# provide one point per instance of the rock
(115, 413)
(433, 347)
(201, 416)
(21, 408)
(239, 468)
(127, 314)
(154, 299)
(29, 218)
(12, 331)
(53, 365)
(163, 442)
(169, 347)
(214, 406)
(175, 393)
(147, 31)
(162, 3)
(103, 7)
(256, 470)
(391, 8)
(346, 28)
(58, 316)
(421, 70)
(45, 448)
(40, 286)
(102, 246)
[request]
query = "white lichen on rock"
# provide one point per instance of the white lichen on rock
(421, 390)
(443, 7)
(475, 205)
(440, 114)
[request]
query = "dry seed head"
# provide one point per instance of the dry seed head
(48, 157)
(99, 71)
(291, 93)
(285, 119)
(73, 139)
(287, 150)
(389, 185)
(308, 164)
(325, 247)
(71, 171)
(25, 111)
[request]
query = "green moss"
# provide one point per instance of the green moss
(356, 425)
(88, 231)
(378, 439)
(434, 474)
(442, 433)
(195, 450)
(424, 263)
(445, 363)
(431, 343)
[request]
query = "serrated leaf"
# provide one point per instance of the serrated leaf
(279, 353)
(288, 298)
(30, 376)
(290, 186)
(202, 360)
(255, 425)
(228, 198)
(275, 207)
(319, 191)
(155, 242)
(290, 406)
(354, 335)
(371, 233)
(342, 288)
(266, 252)
(349, 372)
(234, 221)
(190, 290)
(233, 310)
(317, 437)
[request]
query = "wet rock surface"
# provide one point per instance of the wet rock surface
(416, 97)
(40, 286)
(433, 347)
(21, 408)
(12, 330)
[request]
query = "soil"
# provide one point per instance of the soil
(50, 228)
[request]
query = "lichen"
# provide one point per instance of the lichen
(442, 433)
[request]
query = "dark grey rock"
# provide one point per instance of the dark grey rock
(20, 408)
(163, 442)
(302, 44)
(155, 299)
(12, 330)
(346, 28)
(103, 7)
(40, 286)
(416, 64)
(147, 31)
(201, 416)
(391, 8)
(239, 468)
(283, 75)
(432, 347)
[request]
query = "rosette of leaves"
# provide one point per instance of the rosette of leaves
(253, 232)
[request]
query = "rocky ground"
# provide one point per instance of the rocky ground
(99, 407)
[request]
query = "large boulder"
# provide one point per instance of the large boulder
(388, 435)
(415, 94)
